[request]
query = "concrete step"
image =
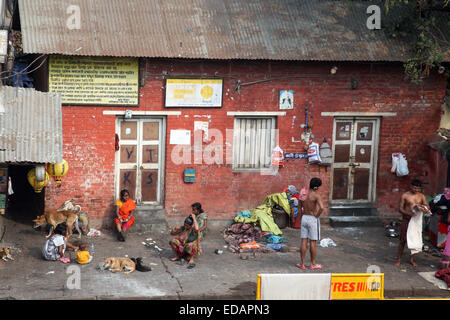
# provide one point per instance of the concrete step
(150, 218)
(353, 210)
(353, 221)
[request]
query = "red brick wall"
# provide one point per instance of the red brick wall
(89, 135)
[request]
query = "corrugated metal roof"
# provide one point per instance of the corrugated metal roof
(30, 126)
(209, 29)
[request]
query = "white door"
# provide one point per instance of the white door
(139, 159)
(355, 153)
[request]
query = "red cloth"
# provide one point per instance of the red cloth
(444, 274)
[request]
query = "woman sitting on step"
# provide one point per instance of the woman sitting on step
(124, 218)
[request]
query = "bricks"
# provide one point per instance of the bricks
(89, 135)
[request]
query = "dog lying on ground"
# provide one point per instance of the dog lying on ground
(54, 217)
(119, 264)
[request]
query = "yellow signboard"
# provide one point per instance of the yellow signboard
(95, 80)
(357, 286)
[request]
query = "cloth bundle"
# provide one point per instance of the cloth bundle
(444, 275)
(271, 238)
(239, 233)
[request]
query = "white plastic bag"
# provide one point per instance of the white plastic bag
(402, 167)
(394, 162)
(399, 164)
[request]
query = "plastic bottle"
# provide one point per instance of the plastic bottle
(92, 249)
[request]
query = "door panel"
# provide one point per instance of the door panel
(340, 183)
(128, 181)
(354, 159)
(343, 130)
(151, 131)
(150, 154)
(361, 184)
(363, 153)
(364, 131)
(149, 184)
(342, 153)
(128, 130)
(128, 153)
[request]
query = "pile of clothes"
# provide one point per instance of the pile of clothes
(262, 215)
(444, 275)
(239, 233)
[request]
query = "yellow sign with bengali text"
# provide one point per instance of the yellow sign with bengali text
(95, 80)
(357, 286)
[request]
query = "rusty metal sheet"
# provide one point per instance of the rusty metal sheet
(30, 126)
(321, 30)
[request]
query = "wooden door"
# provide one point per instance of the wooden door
(354, 159)
(140, 159)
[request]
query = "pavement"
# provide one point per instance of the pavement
(215, 276)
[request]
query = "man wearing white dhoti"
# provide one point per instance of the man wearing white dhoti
(412, 205)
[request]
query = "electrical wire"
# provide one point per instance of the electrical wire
(23, 70)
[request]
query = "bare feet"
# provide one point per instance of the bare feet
(413, 263)
(397, 264)
(175, 259)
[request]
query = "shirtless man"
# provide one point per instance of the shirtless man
(310, 226)
(408, 201)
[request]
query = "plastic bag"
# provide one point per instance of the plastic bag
(313, 153)
(277, 157)
(327, 242)
(394, 162)
(399, 165)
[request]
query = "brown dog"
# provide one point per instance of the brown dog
(54, 217)
(119, 264)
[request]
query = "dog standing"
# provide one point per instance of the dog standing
(54, 217)
(82, 215)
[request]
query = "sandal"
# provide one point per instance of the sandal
(316, 267)
(191, 265)
(300, 266)
(64, 260)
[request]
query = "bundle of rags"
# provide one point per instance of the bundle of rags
(444, 275)
(239, 233)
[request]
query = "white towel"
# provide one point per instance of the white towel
(315, 286)
(414, 232)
